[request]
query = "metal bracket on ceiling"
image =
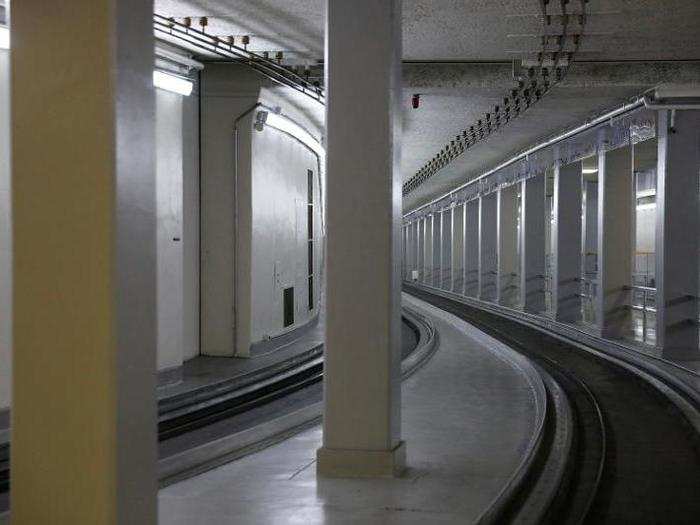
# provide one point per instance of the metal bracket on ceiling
(170, 30)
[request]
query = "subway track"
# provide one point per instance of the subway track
(635, 457)
(190, 419)
(196, 411)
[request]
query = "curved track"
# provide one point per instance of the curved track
(196, 410)
(187, 420)
(635, 459)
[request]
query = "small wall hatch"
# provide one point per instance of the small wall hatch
(288, 301)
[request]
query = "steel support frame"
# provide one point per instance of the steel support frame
(616, 198)
(488, 247)
(677, 230)
(532, 244)
(566, 243)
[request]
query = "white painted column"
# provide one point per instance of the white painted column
(84, 410)
(677, 230)
(437, 249)
(427, 278)
(507, 279)
(404, 252)
(414, 244)
(191, 252)
(589, 247)
(446, 247)
(420, 239)
(362, 379)
(615, 233)
(566, 243)
(589, 228)
(471, 248)
(532, 244)
(411, 249)
(458, 249)
(488, 247)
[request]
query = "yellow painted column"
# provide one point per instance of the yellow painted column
(83, 414)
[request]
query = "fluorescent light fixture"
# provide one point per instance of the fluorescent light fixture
(647, 206)
(169, 82)
(282, 123)
(588, 171)
(4, 38)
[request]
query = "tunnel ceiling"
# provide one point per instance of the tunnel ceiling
(656, 39)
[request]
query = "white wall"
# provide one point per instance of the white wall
(177, 238)
(280, 235)
(5, 236)
(169, 224)
(241, 305)
(190, 224)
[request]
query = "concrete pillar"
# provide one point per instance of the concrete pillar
(589, 228)
(616, 197)
(362, 379)
(420, 250)
(404, 251)
(507, 224)
(437, 249)
(446, 249)
(488, 247)
(566, 243)
(411, 249)
(532, 244)
(414, 247)
(677, 235)
(428, 257)
(471, 248)
(589, 246)
(84, 410)
(458, 249)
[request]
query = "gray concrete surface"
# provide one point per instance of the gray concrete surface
(467, 417)
(362, 367)
(478, 39)
(455, 29)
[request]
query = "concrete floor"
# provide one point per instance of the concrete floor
(467, 418)
(203, 371)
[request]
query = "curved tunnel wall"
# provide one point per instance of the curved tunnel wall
(254, 212)
(570, 231)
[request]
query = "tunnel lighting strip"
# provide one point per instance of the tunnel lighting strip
(170, 56)
(287, 125)
(606, 117)
(518, 100)
(4, 38)
(212, 44)
(172, 83)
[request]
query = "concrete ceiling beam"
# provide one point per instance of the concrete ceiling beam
(451, 76)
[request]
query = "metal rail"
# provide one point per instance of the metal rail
(606, 117)
(678, 401)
